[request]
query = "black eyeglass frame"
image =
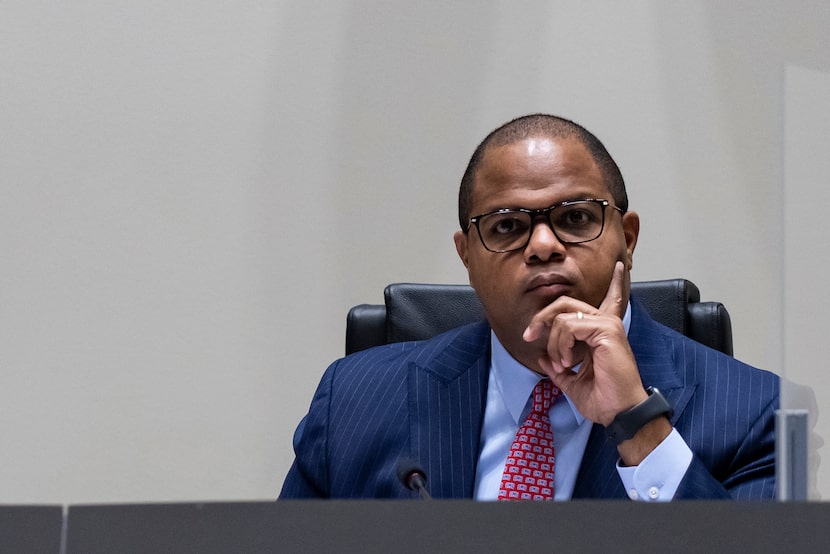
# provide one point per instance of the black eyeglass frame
(546, 213)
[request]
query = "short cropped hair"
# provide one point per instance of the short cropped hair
(540, 125)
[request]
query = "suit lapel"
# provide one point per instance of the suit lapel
(656, 360)
(447, 391)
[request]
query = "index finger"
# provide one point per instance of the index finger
(613, 301)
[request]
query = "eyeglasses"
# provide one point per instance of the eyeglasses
(572, 222)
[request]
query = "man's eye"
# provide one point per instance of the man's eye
(576, 218)
(507, 226)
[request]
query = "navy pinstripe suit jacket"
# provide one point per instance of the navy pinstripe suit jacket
(425, 400)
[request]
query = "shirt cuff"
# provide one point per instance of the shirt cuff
(657, 477)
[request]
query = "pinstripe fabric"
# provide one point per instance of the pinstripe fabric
(723, 408)
(425, 400)
(420, 400)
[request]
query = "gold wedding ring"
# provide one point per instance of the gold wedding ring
(579, 315)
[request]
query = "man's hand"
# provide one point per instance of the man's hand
(607, 382)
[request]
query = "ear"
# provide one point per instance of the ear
(460, 238)
(631, 230)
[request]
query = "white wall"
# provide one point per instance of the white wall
(192, 194)
(806, 256)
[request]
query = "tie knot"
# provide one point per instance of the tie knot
(544, 393)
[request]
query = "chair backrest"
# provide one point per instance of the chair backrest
(414, 311)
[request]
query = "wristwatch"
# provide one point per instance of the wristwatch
(627, 423)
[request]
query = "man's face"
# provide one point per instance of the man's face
(537, 173)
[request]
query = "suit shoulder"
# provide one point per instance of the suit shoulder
(711, 367)
(398, 355)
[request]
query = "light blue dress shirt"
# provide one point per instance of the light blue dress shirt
(508, 404)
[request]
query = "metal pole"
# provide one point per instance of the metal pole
(791, 454)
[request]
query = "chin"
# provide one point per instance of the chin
(541, 297)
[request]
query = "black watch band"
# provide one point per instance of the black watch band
(627, 423)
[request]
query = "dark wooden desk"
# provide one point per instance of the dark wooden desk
(450, 526)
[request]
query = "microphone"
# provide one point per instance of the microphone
(413, 477)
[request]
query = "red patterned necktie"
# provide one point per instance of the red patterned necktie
(528, 472)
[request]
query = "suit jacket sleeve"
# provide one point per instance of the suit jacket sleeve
(748, 475)
(308, 475)
(724, 410)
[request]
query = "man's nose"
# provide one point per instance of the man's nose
(543, 244)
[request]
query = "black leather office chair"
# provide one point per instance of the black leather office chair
(419, 311)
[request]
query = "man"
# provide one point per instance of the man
(548, 243)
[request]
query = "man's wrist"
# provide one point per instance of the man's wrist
(629, 422)
(644, 442)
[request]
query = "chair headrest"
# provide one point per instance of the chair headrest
(421, 311)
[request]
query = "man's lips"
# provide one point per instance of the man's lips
(547, 281)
